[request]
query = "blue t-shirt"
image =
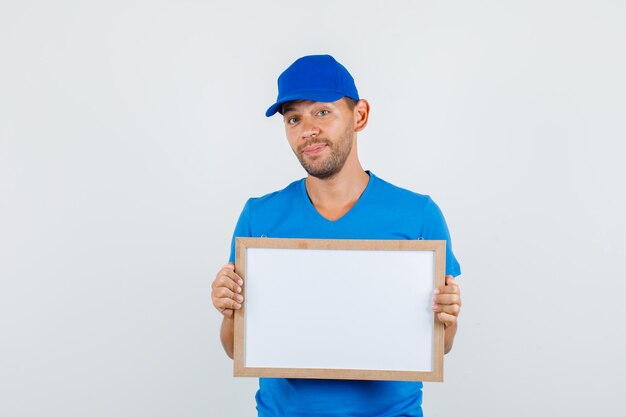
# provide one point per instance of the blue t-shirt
(383, 211)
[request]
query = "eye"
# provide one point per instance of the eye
(292, 120)
(323, 112)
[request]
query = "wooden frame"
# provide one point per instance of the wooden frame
(433, 248)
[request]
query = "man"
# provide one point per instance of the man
(322, 114)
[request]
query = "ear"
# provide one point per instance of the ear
(361, 114)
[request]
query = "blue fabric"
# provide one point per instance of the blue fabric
(383, 211)
(316, 78)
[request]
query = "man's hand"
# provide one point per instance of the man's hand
(225, 291)
(447, 302)
(447, 306)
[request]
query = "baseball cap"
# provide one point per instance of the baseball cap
(316, 78)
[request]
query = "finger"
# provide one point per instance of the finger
(223, 305)
(226, 312)
(226, 293)
(230, 273)
(450, 280)
(229, 265)
(227, 282)
(449, 289)
(227, 278)
(453, 309)
(450, 286)
(447, 299)
(223, 281)
(447, 319)
(227, 303)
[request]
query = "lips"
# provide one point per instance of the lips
(315, 149)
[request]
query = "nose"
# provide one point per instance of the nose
(309, 128)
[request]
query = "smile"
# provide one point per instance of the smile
(314, 149)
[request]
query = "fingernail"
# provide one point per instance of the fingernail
(436, 291)
(239, 298)
(238, 289)
(240, 282)
(237, 305)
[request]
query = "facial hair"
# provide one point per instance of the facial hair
(334, 162)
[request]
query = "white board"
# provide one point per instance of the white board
(321, 309)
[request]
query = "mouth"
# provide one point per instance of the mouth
(314, 149)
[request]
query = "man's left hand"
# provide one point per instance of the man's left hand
(447, 302)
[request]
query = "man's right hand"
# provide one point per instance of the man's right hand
(226, 291)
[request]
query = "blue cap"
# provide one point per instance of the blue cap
(315, 78)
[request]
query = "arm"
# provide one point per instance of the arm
(227, 335)
(226, 297)
(447, 306)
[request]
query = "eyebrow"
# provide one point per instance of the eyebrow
(288, 109)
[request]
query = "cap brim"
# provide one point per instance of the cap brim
(323, 96)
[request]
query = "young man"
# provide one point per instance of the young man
(323, 113)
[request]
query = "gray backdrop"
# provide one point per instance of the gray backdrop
(132, 132)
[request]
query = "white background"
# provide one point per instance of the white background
(132, 132)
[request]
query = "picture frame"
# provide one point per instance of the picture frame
(339, 309)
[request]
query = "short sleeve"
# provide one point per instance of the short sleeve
(242, 229)
(435, 228)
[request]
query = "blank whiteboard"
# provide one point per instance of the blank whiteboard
(339, 309)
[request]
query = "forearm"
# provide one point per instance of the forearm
(227, 335)
(449, 334)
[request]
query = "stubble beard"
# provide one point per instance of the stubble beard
(332, 165)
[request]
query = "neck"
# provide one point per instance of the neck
(334, 197)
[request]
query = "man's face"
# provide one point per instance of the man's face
(320, 134)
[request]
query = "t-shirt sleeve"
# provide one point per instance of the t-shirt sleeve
(242, 229)
(435, 228)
